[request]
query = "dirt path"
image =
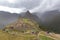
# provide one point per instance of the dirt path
(57, 36)
(48, 36)
(51, 35)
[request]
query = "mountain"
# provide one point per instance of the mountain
(25, 28)
(23, 25)
(50, 16)
(7, 18)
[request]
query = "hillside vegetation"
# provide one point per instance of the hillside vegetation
(23, 29)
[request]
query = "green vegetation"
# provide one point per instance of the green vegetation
(45, 38)
(23, 25)
(23, 29)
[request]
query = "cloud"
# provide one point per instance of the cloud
(47, 5)
(33, 5)
(11, 1)
(12, 10)
(29, 4)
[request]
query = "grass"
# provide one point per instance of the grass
(6, 36)
(45, 38)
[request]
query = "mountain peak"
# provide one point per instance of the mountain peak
(29, 15)
(28, 12)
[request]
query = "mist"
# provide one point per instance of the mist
(47, 5)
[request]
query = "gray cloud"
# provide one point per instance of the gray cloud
(47, 5)
(33, 5)
(29, 4)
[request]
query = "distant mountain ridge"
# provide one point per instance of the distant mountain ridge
(51, 16)
(6, 18)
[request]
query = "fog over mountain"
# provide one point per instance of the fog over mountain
(6, 18)
(47, 5)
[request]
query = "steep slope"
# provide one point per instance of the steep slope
(23, 25)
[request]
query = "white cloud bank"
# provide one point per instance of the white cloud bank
(12, 10)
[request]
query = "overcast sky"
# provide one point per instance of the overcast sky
(32, 5)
